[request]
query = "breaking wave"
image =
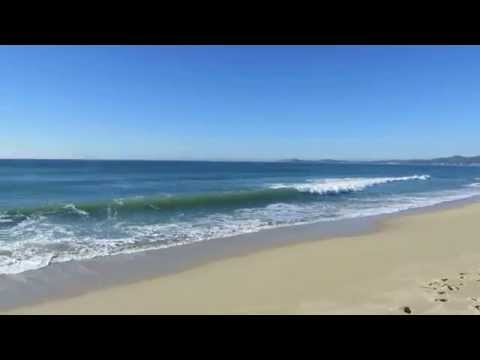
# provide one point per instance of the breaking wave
(335, 186)
(34, 238)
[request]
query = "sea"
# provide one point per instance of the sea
(54, 211)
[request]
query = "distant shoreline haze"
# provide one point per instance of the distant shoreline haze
(456, 159)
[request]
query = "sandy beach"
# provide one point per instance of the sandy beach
(426, 263)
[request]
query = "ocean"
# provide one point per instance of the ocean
(62, 210)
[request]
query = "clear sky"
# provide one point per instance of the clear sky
(239, 102)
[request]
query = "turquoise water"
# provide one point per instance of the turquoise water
(55, 211)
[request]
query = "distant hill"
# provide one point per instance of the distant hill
(452, 160)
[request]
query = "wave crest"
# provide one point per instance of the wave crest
(339, 185)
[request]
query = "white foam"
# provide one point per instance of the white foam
(9, 265)
(474, 185)
(74, 209)
(5, 219)
(338, 185)
(397, 203)
(36, 242)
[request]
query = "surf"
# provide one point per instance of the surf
(261, 196)
(342, 185)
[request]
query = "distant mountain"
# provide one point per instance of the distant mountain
(452, 160)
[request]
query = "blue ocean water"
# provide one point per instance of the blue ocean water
(61, 210)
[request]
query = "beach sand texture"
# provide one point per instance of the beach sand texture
(425, 263)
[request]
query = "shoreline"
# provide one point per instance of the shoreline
(96, 277)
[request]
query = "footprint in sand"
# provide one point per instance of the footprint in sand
(445, 286)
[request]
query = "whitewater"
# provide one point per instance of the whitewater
(59, 211)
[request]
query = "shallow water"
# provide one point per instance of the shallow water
(56, 211)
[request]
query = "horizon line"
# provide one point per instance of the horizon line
(233, 160)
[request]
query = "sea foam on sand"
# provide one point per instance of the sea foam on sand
(398, 269)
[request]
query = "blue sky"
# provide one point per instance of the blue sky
(239, 102)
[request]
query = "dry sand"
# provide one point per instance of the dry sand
(427, 262)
